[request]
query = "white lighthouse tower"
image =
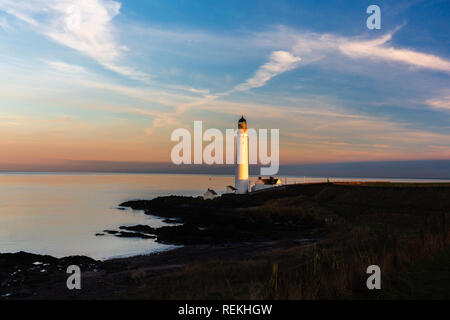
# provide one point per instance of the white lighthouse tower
(241, 179)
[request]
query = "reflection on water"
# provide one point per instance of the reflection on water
(59, 214)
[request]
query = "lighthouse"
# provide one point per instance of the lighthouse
(241, 179)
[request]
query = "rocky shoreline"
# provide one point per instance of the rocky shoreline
(228, 219)
(206, 228)
(27, 276)
(249, 230)
(22, 273)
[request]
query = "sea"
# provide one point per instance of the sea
(59, 214)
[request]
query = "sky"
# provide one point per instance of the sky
(102, 81)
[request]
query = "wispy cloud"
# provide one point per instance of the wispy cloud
(82, 25)
(279, 62)
(318, 125)
(314, 47)
(379, 50)
(65, 67)
(304, 48)
(441, 103)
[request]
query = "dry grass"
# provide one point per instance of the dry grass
(138, 276)
(333, 268)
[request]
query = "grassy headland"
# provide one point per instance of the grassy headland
(403, 228)
(305, 241)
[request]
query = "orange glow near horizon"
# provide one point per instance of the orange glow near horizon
(45, 144)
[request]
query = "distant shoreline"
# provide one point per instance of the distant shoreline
(398, 169)
(254, 176)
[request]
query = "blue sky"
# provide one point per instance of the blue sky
(114, 86)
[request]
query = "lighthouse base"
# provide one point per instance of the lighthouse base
(241, 186)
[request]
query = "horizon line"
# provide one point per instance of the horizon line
(401, 169)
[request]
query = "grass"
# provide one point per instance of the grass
(394, 184)
(407, 237)
(427, 279)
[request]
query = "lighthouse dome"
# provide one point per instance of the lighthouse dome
(242, 124)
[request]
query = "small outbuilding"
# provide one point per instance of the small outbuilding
(210, 194)
(265, 183)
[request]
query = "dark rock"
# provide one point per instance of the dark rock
(77, 260)
(136, 204)
(138, 228)
(11, 260)
(22, 272)
(230, 218)
(111, 231)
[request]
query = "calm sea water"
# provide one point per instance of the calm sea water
(59, 214)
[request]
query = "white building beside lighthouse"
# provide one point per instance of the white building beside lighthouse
(241, 179)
